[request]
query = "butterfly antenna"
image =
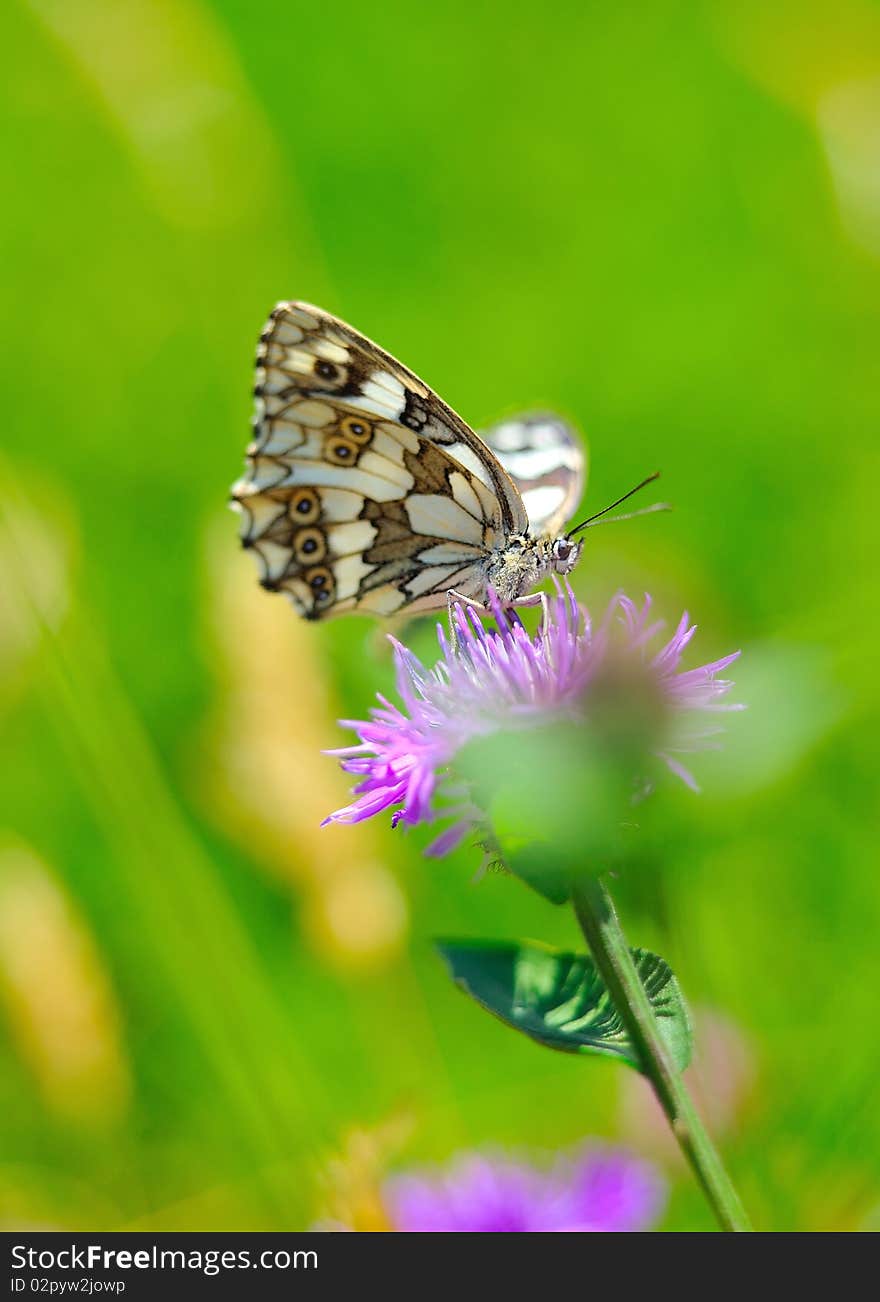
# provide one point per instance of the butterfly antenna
(630, 515)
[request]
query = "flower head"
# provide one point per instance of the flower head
(504, 679)
(596, 1189)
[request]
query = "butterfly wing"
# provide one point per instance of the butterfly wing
(363, 491)
(547, 462)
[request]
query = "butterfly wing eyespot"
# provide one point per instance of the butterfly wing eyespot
(329, 376)
(364, 491)
(356, 430)
(322, 585)
(319, 577)
(305, 506)
(309, 546)
(341, 451)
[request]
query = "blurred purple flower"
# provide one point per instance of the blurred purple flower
(504, 679)
(599, 1189)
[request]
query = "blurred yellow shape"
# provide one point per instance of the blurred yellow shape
(59, 1004)
(352, 1181)
(277, 716)
(849, 122)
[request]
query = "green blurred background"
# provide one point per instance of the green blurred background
(662, 219)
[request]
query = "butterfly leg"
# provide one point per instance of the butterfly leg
(454, 598)
(535, 599)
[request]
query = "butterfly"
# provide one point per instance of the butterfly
(365, 492)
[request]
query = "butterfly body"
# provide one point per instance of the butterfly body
(365, 492)
(518, 568)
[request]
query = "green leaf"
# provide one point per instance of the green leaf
(559, 999)
(540, 865)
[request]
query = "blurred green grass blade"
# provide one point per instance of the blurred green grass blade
(559, 1000)
(195, 933)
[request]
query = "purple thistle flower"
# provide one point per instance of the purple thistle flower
(504, 679)
(598, 1189)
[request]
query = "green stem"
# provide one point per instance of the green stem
(611, 954)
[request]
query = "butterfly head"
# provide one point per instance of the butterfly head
(565, 553)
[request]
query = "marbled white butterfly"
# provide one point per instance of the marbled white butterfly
(364, 491)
